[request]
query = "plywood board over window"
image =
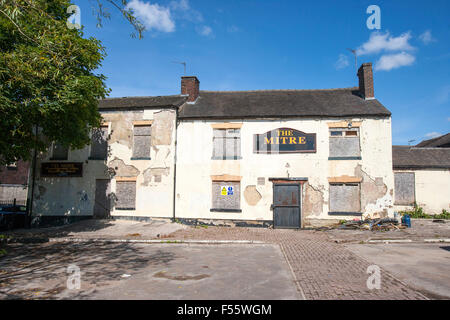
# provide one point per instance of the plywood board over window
(226, 144)
(345, 198)
(141, 141)
(226, 196)
(344, 144)
(59, 152)
(404, 188)
(99, 144)
(125, 194)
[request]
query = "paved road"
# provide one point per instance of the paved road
(424, 266)
(323, 269)
(147, 271)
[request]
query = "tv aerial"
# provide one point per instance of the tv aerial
(183, 63)
(356, 60)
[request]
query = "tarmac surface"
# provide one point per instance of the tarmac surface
(424, 266)
(146, 271)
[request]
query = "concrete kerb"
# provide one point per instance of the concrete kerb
(387, 241)
(174, 241)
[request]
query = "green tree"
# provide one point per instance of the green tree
(47, 77)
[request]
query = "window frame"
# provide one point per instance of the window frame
(214, 202)
(53, 158)
(345, 213)
(238, 141)
(146, 124)
(344, 135)
(396, 202)
(108, 130)
(118, 182)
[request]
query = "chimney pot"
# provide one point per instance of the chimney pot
(365, 75)
(190, 86)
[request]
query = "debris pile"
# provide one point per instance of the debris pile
(382, 224)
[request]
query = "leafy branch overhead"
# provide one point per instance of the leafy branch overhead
(48, 77)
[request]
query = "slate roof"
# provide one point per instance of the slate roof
(142, 102)
(281, 104)
(407, 157)
(441, 142)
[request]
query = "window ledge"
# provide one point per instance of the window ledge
(131, 209)
(57, 159)
(344, 158)
(345, 214)
(230, 158)
(94, 158)
(140, 158)
(225, 210)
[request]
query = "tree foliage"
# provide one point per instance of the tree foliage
(47, 78)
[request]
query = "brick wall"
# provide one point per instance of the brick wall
(16, 175)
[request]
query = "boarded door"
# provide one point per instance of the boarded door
(102, 199)
(286, 206)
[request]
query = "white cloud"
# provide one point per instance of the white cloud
(153, 16)
(205, 31)
(385, 42)
(180, 5)
(342, 62)
(393, 61)
(183, 10)
(426, 37)
(432, 135)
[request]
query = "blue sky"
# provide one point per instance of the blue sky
(252, 45)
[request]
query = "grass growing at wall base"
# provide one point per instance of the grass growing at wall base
(418, 213)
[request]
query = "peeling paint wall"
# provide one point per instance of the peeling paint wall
(195, 168)
(154, 176)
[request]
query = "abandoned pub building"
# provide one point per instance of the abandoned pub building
(287, 158)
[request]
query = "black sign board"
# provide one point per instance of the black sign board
(284, 140)
(62, 169)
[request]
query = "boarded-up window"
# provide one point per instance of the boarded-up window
(59, 152)
(226, 144)
(226, 195)
(345, 198)
(141, 141)
(126, 195)
(99, 144)
(344, 143)
(404, 188)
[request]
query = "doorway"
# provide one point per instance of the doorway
(102, 199)
(286, 205)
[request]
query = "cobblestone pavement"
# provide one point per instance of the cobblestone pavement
(322, 269)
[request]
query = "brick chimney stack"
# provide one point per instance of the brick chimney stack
(190, 86)
(365, 76)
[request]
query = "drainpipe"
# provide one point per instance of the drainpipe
(33, 178)
(175, 166)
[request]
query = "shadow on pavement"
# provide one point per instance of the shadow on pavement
(42, 268)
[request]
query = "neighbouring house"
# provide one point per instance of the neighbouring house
(287, 158)
(422, 175)
(438, 142)
(14, 182)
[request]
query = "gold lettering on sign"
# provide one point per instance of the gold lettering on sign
(267, 141)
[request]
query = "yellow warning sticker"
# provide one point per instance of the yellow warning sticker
(223, 191)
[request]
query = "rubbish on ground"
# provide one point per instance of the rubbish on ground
(439, 220)
(126, 275)
(381, 224)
